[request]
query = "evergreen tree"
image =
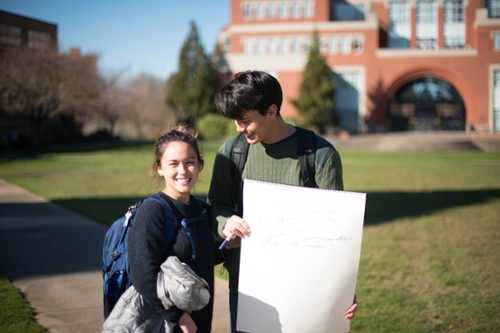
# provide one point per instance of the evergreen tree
(316, 91)
(191, 90)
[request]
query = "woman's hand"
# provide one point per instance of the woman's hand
(349, 314)
(187, 324)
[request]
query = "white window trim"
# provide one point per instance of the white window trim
(492, 34)
(493, 68)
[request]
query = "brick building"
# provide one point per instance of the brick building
(22, 31)
(398, 65)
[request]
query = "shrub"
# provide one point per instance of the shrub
(231, 128)
(213, 126)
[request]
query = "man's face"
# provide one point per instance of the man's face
(256, 127)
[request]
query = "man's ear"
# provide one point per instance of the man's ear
(272, 111)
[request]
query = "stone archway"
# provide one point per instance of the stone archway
(426, 104)
(453, 78)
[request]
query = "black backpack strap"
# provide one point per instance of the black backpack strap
(239, 154)
(203, 210)
(307, 156)
(170, 219)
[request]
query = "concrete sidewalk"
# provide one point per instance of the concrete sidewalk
(53, 256)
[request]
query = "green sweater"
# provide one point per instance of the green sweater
(275, 163)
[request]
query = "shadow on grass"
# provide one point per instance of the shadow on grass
(389, 206)
(28, 154)
(40, 239)
(43, 239)
(103, 210)
(381, 207)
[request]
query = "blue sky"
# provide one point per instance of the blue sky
(129, 36)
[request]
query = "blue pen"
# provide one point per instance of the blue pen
(224, 243)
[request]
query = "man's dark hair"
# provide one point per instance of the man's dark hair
(250, 90)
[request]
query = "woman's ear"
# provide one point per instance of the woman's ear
(158, 169)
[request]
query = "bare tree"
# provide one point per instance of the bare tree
(38, 86)
(143, 107)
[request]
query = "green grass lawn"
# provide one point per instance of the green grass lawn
(429, 259)
(15, 315)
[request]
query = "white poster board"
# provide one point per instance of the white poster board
(299, 266)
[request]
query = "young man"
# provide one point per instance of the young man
(253, 100)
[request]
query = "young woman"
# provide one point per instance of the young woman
(177, 161)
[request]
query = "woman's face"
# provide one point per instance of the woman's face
(180, 167)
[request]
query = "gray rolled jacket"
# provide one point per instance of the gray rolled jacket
(177, 285)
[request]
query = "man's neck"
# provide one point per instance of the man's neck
(281, 130)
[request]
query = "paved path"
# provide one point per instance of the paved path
(53, 256)
(417, 141)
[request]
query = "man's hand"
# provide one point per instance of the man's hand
(236, 227)
(187, 324)
(349, 314)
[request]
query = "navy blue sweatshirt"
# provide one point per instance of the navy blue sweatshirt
(146, 243)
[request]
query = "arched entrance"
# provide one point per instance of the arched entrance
(426, 104)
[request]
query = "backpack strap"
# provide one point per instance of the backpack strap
(186, 220)
(239, 154)
(204, 213)
(307, 156)
(172, 222)
(170, 219)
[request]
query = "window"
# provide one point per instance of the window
(308, 43)
(227, 44)
(247, 11)
(284, 46)
(348, 12)
(399, 25)
(426, 25)
(38, 40)
(357, 44)
(247, 46)
(7, 40)
(260, 46)
(271, 10)
(454, 26)
(272, 46)
(345, 45)
(333, 45)
(347, 95)
(323, 45)
(308, 9)
(493, 8)
(295, 45)
(496, 101)
(295, 10)
(11, 35)
(6, 29)
(496, 41)
(260, 11)
(284, 10)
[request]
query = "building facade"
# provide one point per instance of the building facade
(398, 65)
(22, 31)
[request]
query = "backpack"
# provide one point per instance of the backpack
(307, 156)
(115, 263)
